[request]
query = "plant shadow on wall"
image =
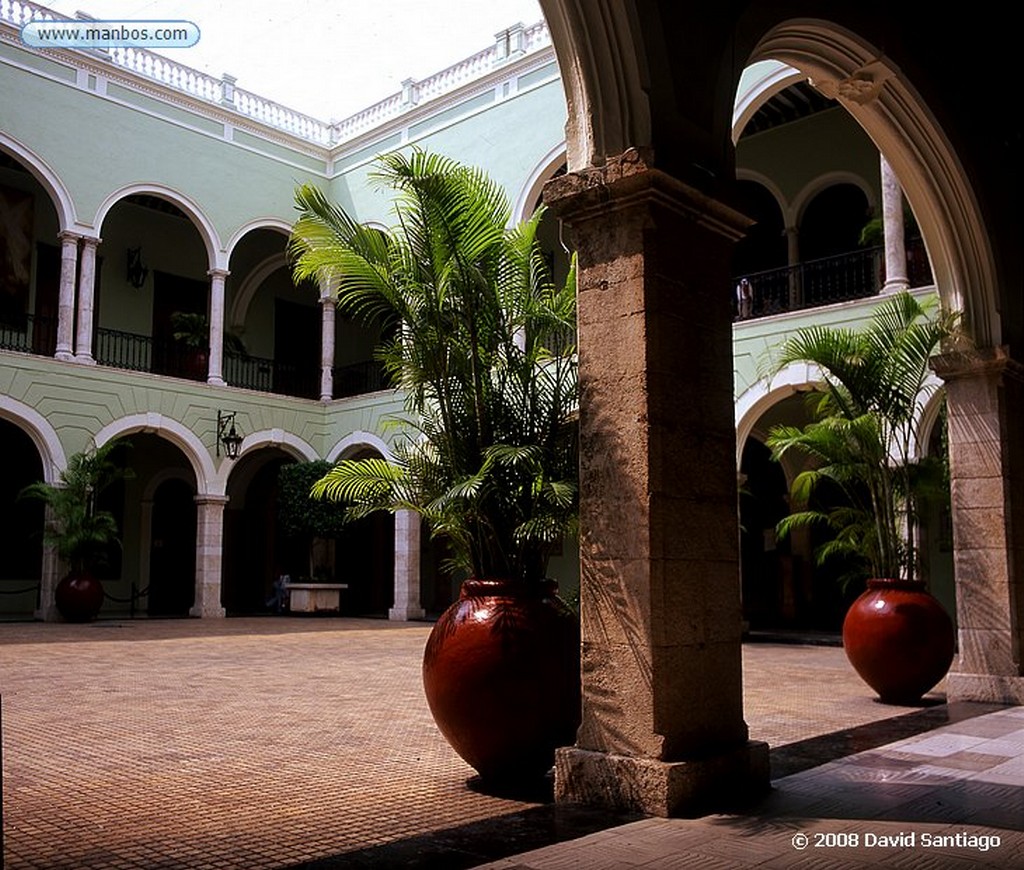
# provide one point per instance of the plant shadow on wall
(863, 443)
(79, 529)
(484, 349)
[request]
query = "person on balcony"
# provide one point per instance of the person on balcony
(744, 299)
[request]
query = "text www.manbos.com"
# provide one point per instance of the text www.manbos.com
(110, 34)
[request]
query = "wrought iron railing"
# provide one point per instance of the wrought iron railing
(29, 333)
(359, 378)
(814, 283)
(271, 376)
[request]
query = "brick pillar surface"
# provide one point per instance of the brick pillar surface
(407, 568)
(985, 391)
(663, 729)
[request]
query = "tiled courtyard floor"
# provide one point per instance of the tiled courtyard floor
(282, 742)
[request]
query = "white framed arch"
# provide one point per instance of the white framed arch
(541, 174)
(162, 476)
(262, 223)
(760, 82)
(843, 66)
(823, 182)
(207, 232)
(43, 173)
(763, 394)
(352, 442)
(250, 286)
(279, 438)
(929, 415)
(743, 174)
(43, 435)
(178, 434)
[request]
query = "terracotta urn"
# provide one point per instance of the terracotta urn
(79, 597)
(899, 639)
(501, 672)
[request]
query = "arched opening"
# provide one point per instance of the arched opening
(256, 552)
(21, 524)
(172, 561)
(151, 302)
(30, 261)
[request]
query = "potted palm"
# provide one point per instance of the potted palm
(484, 349)
(863, 441)
(80, 531)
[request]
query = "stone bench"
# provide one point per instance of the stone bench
(315, 597)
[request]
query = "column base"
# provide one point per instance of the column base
(208, 612)
(216, 382)
(83, 359)
(990, 688)
(661, 788)
(404, 614)
(64, 355)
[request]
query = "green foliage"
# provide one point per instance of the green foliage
(300, 514)
(485, 349)
(875, 383)
(80, 532)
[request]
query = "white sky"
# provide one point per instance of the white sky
(327, 58)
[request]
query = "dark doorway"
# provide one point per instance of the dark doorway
(172, 563)
(21, 523)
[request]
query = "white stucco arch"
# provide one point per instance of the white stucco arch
(178, 434)
(247, 290)
(772, 187)
(823, 182)
(59, 196)
(759, 83)
(763, 394)
(542, 172)
(262, 223)
(882, 100)
(279, 438)
(43, 435)
(355, 440)
(216, 257)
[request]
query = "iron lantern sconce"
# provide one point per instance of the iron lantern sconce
(227, 434)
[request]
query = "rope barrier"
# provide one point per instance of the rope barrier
(34, 588)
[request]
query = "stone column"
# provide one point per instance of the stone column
(663, 730)
(328, 310)
(892, 225)
(66, 300)
(215, 372)
(985, 391)
(209, 555)
(86, 295)
(50, 577)
(407, 567)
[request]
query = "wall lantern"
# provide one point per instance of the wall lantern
(136, 272)
(228, 437)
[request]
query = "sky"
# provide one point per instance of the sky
(327, 58)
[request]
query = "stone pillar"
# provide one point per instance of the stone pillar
(215, 372)
(66, 300)
(328, 310)
(209, 555)
(86, 294)
(985, 391)
(50, 577)
(663, 730)
(407, 567)
(892, 225)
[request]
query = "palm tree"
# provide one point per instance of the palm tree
(484, 348)
(875, 384)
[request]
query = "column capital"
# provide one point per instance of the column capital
(218, 273)
(69, 236)
(91, 241)
(977, 362)
(631, 180)
(208, 499)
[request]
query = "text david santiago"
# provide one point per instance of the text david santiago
(907, 840)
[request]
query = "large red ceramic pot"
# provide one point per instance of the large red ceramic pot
(899, 639)
(502, 676)
(79, 597)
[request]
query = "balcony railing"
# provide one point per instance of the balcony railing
(829, 280)
(271, 376)
(29, 334)
(359, 378)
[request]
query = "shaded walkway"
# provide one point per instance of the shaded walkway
(271, 743)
